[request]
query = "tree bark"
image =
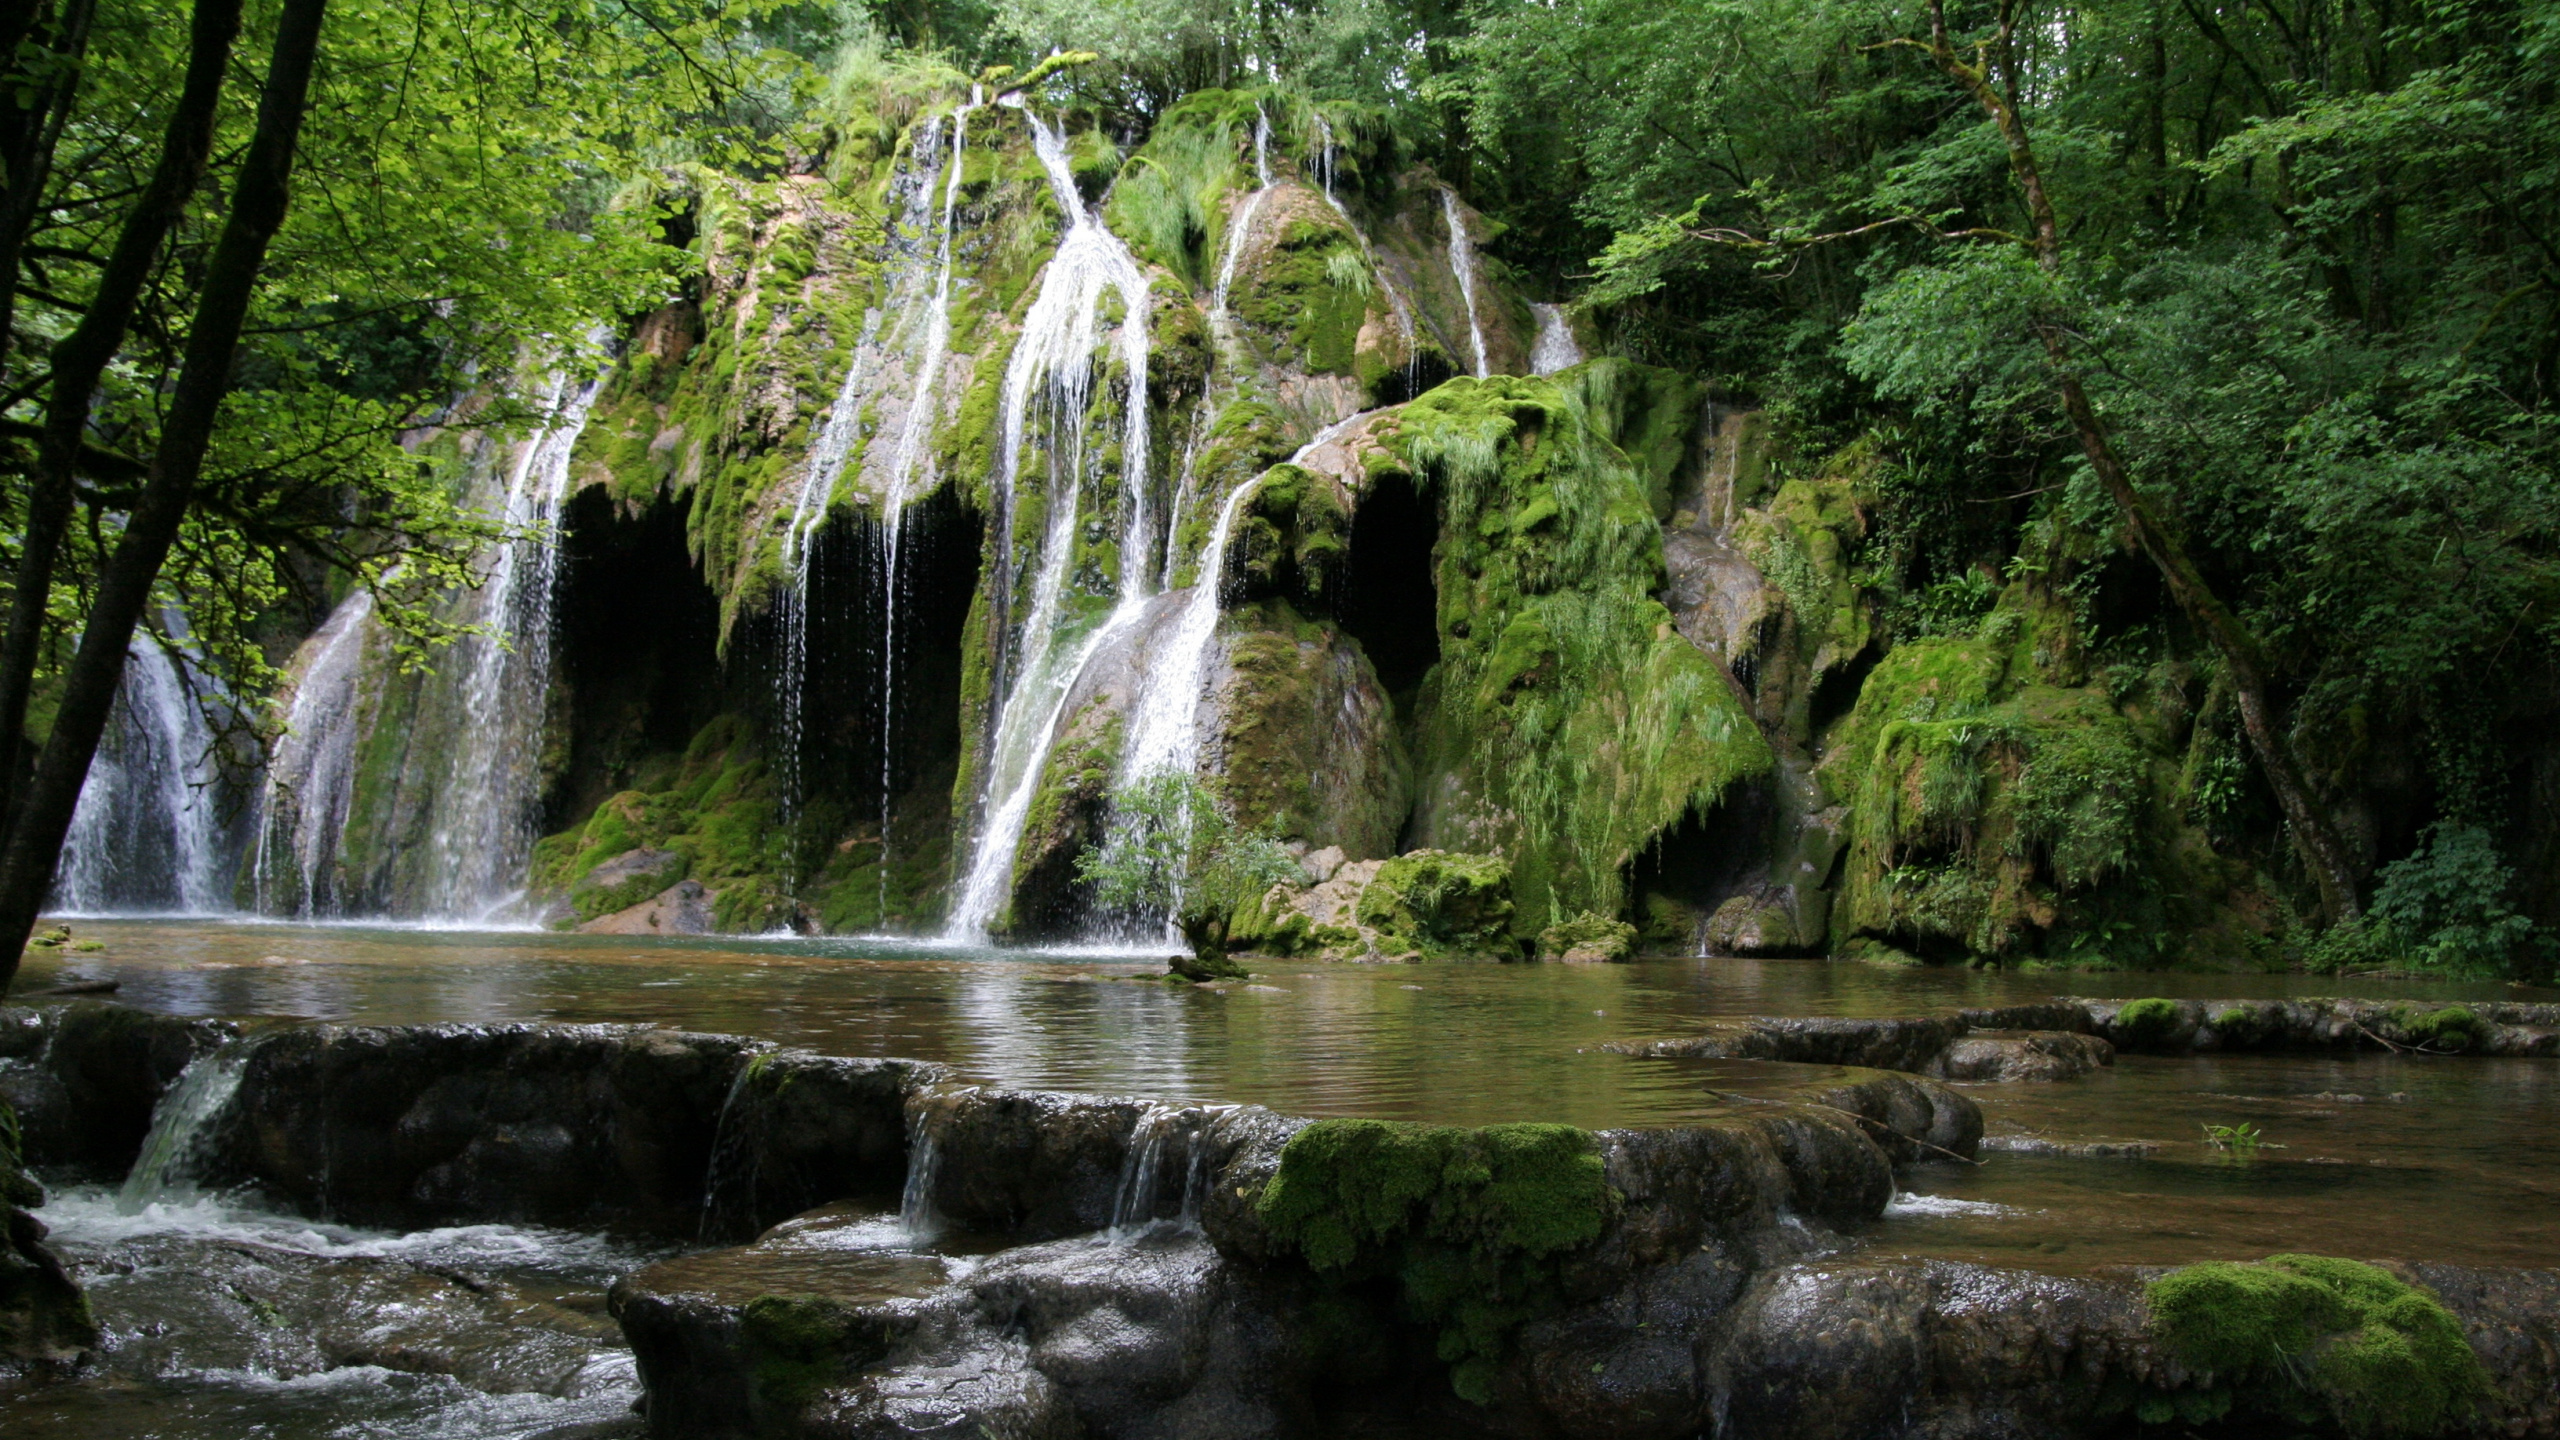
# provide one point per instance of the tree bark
(2324, 854)
(84, 354)
(258, 205)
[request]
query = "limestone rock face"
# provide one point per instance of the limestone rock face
(683, 908)
(2023, 1055)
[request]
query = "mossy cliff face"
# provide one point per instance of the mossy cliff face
(1567, 722)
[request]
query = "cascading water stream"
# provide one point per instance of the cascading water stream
(920, 300)
(484, 824)
(1052, 366)
(311, 778)
(147, 832)
(1462, 259)
(171, 1154)
(1241, 228)
(1555, 349)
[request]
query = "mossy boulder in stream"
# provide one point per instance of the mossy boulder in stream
(1468, 1224)
(1439, 902)
(2314, 1341)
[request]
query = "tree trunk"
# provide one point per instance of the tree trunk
(124, 589)
(2324, 854)
(83, 355)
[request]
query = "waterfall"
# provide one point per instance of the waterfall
(311, 778)
(147, 832)
(1052, 366)
(1462, 259)
(180, 1125)
(1164, 725)
(918, 1216)
(1178, 1134)
(1164, 722)
(1555, 349)
(484, 821)
(918, 300)
(1242, 226)
(1397, 306)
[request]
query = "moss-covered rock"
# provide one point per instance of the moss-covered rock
(1440, 902)
(2309, 1339)
(1567, 723)
(713, 809)
(1995, 811)
(1468, 1224)
(1307, 734)
(1587, 937)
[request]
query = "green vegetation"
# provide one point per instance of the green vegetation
(1173, 847)
(1439, 902)
(2240, 1141)
(712, 807)
(2147, 1024)
(1467, 1225)
(1577, 723)
(2315, 1340)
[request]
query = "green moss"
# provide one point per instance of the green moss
(1468, 1224)
(1313, 287)
(715, 807)
(1440, 902)
(1587, 936)
(2453, 1028)
(2146, 1024)
(1567, 723)
(2309, 1338)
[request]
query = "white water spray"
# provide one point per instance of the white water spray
(311, 778)
(484, 820)
(1555, 349)
(1053, 367)
(1462, 259)
(147, 833)
(1240, 229)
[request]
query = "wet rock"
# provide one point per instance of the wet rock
(45, 1324)
(1031, 1164)
(1440, 902)
(2023, 1055)
(626, 880)
(1911, 1043)
(84, 1077)
(683, 908)
(2088, 1150)
(799, 1130)
(1753, 925)
(747, 1341)
(600, 1126)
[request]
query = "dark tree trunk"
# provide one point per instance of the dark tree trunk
(2324, 854)
(124, 589)
(83, 355)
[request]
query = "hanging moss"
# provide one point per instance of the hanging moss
(2312, 1339)
(1468, 1224)
(1567, 722)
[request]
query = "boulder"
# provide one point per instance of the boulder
(1754, 925)
(1587, 939)
(626, 880)
(683, 908)
(2022, 1055)
(1439, 902)
(45, 1324)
